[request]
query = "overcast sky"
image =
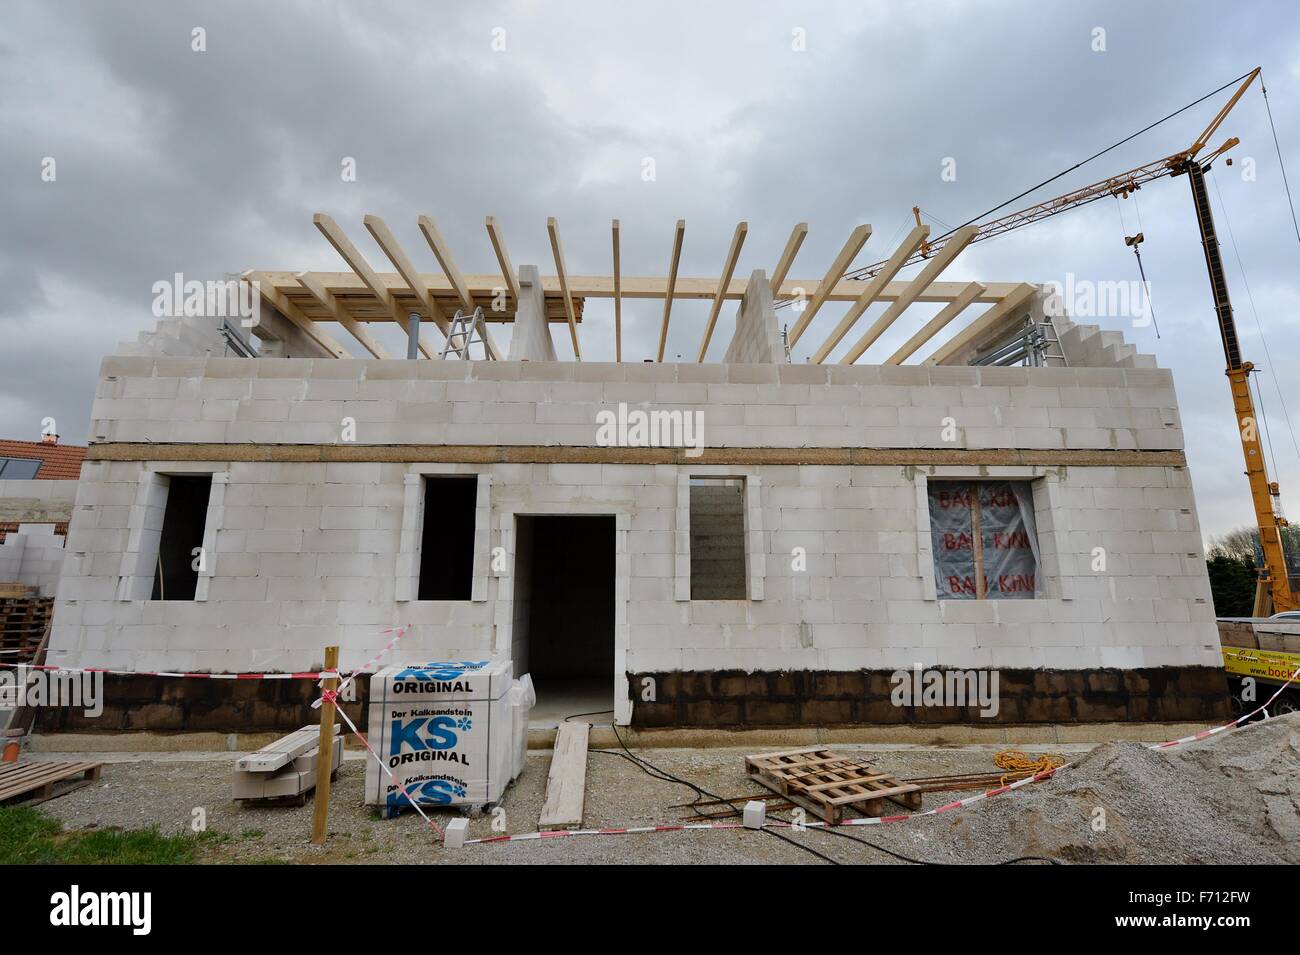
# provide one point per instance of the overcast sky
(170, 160)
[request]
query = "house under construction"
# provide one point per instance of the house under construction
(736, 542)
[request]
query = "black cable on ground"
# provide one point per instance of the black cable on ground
(592, 713)
(656, 772)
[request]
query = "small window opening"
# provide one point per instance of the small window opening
(718, 539)
(447, 540)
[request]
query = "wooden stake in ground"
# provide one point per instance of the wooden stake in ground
(325, 765)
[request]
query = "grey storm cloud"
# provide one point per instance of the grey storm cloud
(171, 160)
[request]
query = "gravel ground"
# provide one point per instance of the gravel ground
(1232, 798)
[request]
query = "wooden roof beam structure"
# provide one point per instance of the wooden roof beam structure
(503, 258)
(728, 269)
(942, 259)
(792, 244)
(357, 262)
(347, 285)
(872, 291)
(618, 297)
(331, 305)
(982, 325)
(936, 324)
(443, 254)
(290, 311)
(678, 234)
(848, 253)
(553, 230)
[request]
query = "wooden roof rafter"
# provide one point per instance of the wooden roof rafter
(728, 269)
(679, 233)
(357, 262)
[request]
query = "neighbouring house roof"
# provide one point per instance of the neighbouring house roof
(59, 462)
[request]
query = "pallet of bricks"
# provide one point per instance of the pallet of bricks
(24, 617)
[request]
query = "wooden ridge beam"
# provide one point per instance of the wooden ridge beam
(848, 253)
(728, 269)
(345, 284)
(942, 259)
(991, 317)
(792, 244)
(678, 234)
(936, 324)
(872, 291)
(443, 254)
(553, 231)
(331, 304)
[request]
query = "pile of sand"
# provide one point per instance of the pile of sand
(1232, 798)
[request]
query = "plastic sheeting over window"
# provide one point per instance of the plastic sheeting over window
(984, 540)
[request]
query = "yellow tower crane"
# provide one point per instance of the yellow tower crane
(1274, 587)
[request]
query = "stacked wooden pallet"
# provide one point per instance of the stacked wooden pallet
(826, 783)
(36, 781)
(23, 620)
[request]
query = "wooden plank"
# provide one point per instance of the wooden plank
(982, 325)
(936, 324)
(443, 254)
(290, 311)
(349, 285)
(942, 259)
(872, 290)
(848, 253)
(728, 269)
(331, 304)
(557, 252)
(388, 243)
(283, 751)
(336, 237)
(674, 261)
(503, 259)
(618, 299)
(792, 244)
(566, 784)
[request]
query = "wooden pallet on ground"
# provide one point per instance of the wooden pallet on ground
(826, 783)
(41, 781)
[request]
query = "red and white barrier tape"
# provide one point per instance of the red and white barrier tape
(365, 667)
(869, 820)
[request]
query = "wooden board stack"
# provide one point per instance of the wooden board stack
(285, 769)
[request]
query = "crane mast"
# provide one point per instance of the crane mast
(1273, 580)
(1273, 575)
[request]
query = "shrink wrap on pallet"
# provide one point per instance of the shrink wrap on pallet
(445, 729)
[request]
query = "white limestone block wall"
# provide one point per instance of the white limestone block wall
(306, 554)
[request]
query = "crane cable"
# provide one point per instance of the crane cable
(1146, 286)
(1280, 163)
(1098, 155)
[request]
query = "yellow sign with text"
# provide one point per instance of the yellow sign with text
(1261, 664)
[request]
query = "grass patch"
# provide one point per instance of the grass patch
(28, 838)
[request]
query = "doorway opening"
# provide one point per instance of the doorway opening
(563, 627)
